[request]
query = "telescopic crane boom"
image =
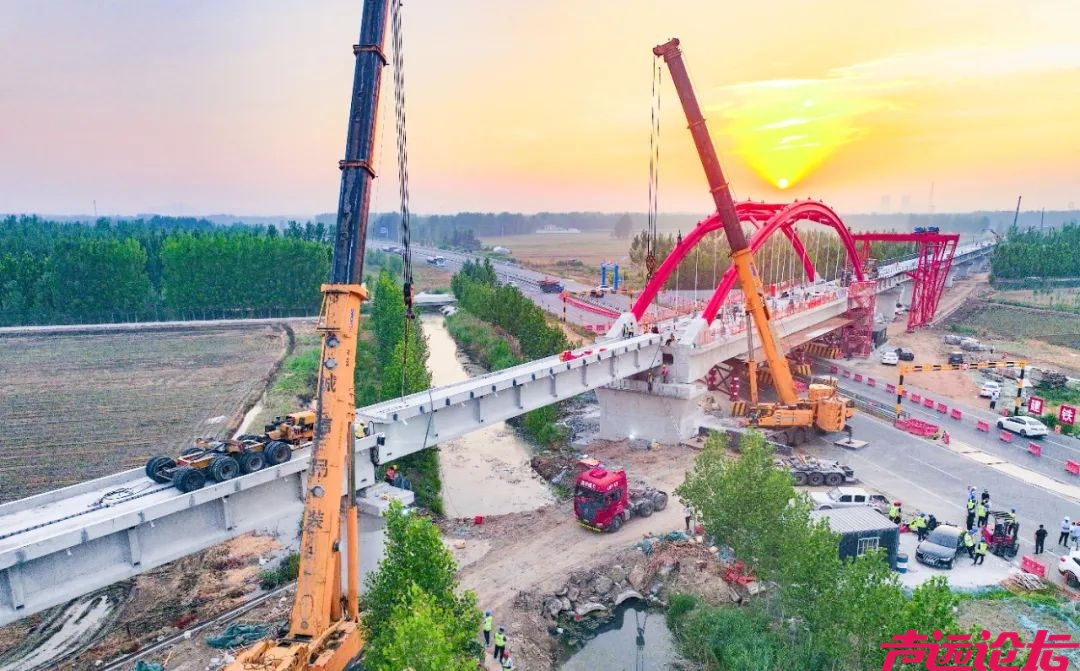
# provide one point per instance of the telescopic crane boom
(324, 629)
(823, 407)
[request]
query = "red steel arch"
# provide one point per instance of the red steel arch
(778, 216)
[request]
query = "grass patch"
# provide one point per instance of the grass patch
(285, 572)
(963, 329)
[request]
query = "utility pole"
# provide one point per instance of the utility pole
(1042, 219)
(1016, 216)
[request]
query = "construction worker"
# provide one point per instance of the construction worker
(500, 643)
(981, 513)
(391, 473)
(688, 514)
(985, 496)
(1040, 539)
(971, 511)
(487, 628)
(664, 373)
(994, 395)
(980, 552)
(971, 493)
(918, 525)
(969, 544)
(507, 662)
(1063, 537)
(895, 512)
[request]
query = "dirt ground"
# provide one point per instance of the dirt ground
(1001, 329)
(107, 402)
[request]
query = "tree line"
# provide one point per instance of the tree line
(1037, 253)
(157, 268)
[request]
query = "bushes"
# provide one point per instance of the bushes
(286, 572)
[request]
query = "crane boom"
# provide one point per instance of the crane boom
(741, 256)
(323, 632)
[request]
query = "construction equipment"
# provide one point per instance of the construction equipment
(297, 427)
(324, 631)
(603, 501)
(550, 286)
(822, 407)
(999, 536)
(816, 472)
(218, 461)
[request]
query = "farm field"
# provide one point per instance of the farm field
(1064, 298)
(81, 406)
(542, 252)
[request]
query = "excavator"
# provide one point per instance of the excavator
(324, 632)
(793, 416)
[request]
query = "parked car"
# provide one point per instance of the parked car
(1028, 427)
(600, 291)
(988, 388)
(890, 358)
(956, 358)
(1069, 568)
(941, 548)
(846, 497)
(905, 354)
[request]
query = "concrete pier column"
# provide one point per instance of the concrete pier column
(669, 414)
(372, 506)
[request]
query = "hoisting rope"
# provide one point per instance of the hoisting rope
(654, 171)
(403, 180)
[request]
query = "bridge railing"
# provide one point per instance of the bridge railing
(732, 323)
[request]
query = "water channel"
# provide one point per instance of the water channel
(619, 647)
(486, 472)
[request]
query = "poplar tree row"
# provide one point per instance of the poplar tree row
(158, 268)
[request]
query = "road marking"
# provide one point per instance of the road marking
(1025, 475)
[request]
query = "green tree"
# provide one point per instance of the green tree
(417, 564)
(624, 227)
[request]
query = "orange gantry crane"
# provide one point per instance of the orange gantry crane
(324, 631)
(822, 407)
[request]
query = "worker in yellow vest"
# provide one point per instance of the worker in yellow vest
(487, 628)
(918, 525)
(895, 512)
(969, 544)
(980, 552)
(500, 643)
(980, 513)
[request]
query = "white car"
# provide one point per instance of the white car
(846, 497)
(1027, 427)
(1069, 568)
(988, 388)
(890, 358)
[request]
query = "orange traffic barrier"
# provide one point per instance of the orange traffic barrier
(929, 403)
(915, 398)
(1031, 566)
(890, 388)
(871, 381)
(858, 377)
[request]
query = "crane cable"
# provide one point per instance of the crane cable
(403, 181)
(654, 172)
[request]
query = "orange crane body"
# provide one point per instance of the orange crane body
(822, 407)
(324, 631)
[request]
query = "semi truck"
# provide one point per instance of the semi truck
(604, 501)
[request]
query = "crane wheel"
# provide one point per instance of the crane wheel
(645, 508)
(833, 479)
(277, 452)
(251, 462)
(224, 468)
(156, 465)
(659, 501)
(800, 479)
(188, 479)
(817, 479)
(800, 436)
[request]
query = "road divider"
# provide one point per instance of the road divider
(1035, 449)
(956, 414)
(1072, 466)
(1033, 567)
(982, 425)
(1006, 437)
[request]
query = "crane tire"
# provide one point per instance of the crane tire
(224, 468)
(277, 452)
(800, 478)
(251, 461)
(188, 479)
(157, 464)
(817, 479)
(833, 479)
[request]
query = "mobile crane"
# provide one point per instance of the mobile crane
(324, 631)
(822, 407)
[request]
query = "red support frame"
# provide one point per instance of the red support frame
(928, 279)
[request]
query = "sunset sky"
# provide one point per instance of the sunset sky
(231, 106)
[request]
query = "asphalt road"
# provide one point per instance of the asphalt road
(928, 476)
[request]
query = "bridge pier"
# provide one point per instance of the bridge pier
(667, 414)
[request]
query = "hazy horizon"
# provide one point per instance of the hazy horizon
(242, 106)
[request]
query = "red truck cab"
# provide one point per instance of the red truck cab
(601, 499)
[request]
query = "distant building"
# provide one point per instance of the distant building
(552, 228)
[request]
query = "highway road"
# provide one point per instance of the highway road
(926, 475)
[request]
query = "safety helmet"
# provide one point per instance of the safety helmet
(487, 612)
(1012, 510)
(897, 503)
(502, 629)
